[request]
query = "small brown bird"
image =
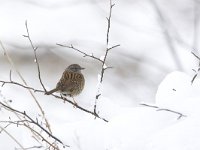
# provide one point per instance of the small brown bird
(71, 83)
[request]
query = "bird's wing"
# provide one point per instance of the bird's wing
(68, 81)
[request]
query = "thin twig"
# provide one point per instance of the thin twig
(109, 19)
(43, 139)
(180, 115)
(152, 106)
(81, 108)
(20, 118)
(19, 84)
(80, 51)
(38, 69)
(31, 121)
(172, 111)
(35, 55)
(103, 67)
(194, 77)
(32, 147)
(107, 41)
(195, 56)
(59, 97)
(11, 62)
(196, 71)
(113, 47)
(12, 137)
(23, 80)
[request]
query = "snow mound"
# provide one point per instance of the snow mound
(184, 135)
(177, 93)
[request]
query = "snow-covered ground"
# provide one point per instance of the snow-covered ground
(153, 39)
(140, 127)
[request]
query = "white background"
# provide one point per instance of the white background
(154, 42)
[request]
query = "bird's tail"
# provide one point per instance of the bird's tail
(52, 91)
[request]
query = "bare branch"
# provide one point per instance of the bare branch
(19, 84)
(109, 23)
(180, 115)
(107, 41)
(44, 139)
(39, 76)
(196, 71)
(20, 118)
(103, 68)
(172, 111)
(108, 68)
(152, 106)
(106, 54)
(81, 108)
(194, 77)
(28, 36)
(113, 47)
(195, 56)
(32, 147)
(35, 55)
(80, 51)
(35, 122)
(59, 97)
(21, 77)
(30, 120)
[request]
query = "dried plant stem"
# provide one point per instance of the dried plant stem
(30, 120)
(180, 115)
(38, 69)
(12, 137)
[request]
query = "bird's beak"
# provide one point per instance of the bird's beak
(82, 68)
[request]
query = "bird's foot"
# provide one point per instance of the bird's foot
(75, 103)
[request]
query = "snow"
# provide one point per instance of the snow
(104, 66)
(177, 93)
(183, 135)
(144, 128)
(99, 85)
(141, 128)
(102, 57)
(133, 128)
(135, 27)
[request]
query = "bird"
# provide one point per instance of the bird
(71, 83)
